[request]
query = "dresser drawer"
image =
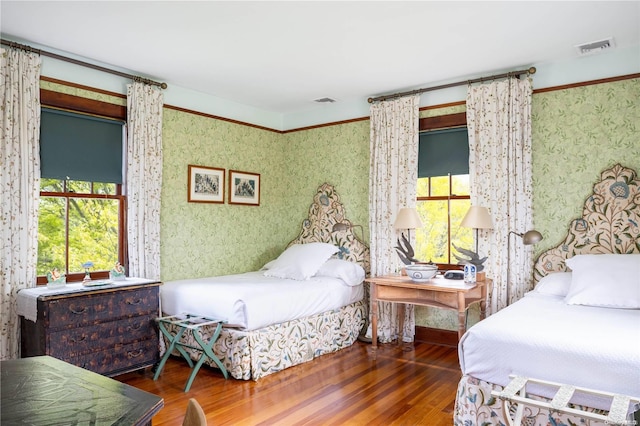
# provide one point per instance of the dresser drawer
(72, 312)
(118, 360)
(93, 338)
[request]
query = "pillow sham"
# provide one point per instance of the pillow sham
(300, 261)
(608, 280)
(351, 273)
(555, 284)
(268, 265)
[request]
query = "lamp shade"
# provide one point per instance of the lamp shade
(531, 237)
(477, 217)
(407, 218)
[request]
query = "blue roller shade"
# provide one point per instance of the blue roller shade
(80, 147)
(442, 152)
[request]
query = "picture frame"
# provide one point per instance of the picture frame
(244, 188)
(206, 184)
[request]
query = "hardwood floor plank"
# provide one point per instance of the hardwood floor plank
(355, 386)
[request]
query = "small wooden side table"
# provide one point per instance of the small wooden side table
(439, 292)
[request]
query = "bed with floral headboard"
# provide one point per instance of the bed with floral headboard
(579, 326)
(610, 222)
(249, 353)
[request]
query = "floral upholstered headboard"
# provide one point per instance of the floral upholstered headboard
(610, 222)
(324, 213)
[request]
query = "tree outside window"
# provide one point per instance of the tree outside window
(78, 222)
(442, 203)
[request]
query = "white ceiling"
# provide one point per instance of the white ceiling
(280, 56)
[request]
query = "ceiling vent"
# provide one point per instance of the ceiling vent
(325, 100)
(595, 46)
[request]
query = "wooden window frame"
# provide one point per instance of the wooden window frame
(438, 123)
(78, 104)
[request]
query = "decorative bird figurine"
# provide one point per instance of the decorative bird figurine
(474, 258)
(405, 251)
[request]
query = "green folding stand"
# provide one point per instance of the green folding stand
(190, 324)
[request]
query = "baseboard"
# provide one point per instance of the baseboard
(436, 336)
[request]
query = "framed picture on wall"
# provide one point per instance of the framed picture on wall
(206, 184)
(244, 188)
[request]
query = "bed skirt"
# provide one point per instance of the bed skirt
(254, 354)
(476, 406)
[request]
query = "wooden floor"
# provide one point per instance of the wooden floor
(349, 387)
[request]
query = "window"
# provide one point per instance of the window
(443, 196)
(82, 206)
(78, 222)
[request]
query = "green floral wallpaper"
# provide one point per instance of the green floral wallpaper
(338, 155)
(214, 239)
(576, 134)
(202, 239)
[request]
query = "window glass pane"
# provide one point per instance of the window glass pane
(51, 185)
(460, 236)
(93, 233)
(79, 187)
(423, 187)
(104, 188)
(440, 186)
(460, 185)
(51, 235)
(432, 240)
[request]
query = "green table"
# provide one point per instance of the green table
(188, 323)
(43, 390)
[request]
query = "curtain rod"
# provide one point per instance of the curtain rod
(529, 71)
(84, 64)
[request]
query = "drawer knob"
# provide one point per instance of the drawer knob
(134, 327)
(135, 354)
(82, 338)
(78, 312)
(134, 302)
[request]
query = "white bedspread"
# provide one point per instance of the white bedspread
(542, 337)
(252, 301)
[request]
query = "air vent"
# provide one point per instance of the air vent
(325, 100)
(595, 46)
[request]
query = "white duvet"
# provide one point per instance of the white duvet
(542, 337)
(251, 301)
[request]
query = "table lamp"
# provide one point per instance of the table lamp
(407, 218)
(478, 218)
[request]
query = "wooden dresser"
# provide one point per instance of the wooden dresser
(109, 329)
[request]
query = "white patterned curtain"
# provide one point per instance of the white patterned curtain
(499, 125)
(393, 177)
(20, 181)
(144, 179)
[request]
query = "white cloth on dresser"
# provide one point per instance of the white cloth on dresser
(27, 303)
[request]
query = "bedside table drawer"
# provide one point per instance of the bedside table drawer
(73, 312)
(89, 339)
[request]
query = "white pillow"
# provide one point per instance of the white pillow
(610, 280)
(555, 284)
(268, 265)
(301, 261)
(351, 273)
